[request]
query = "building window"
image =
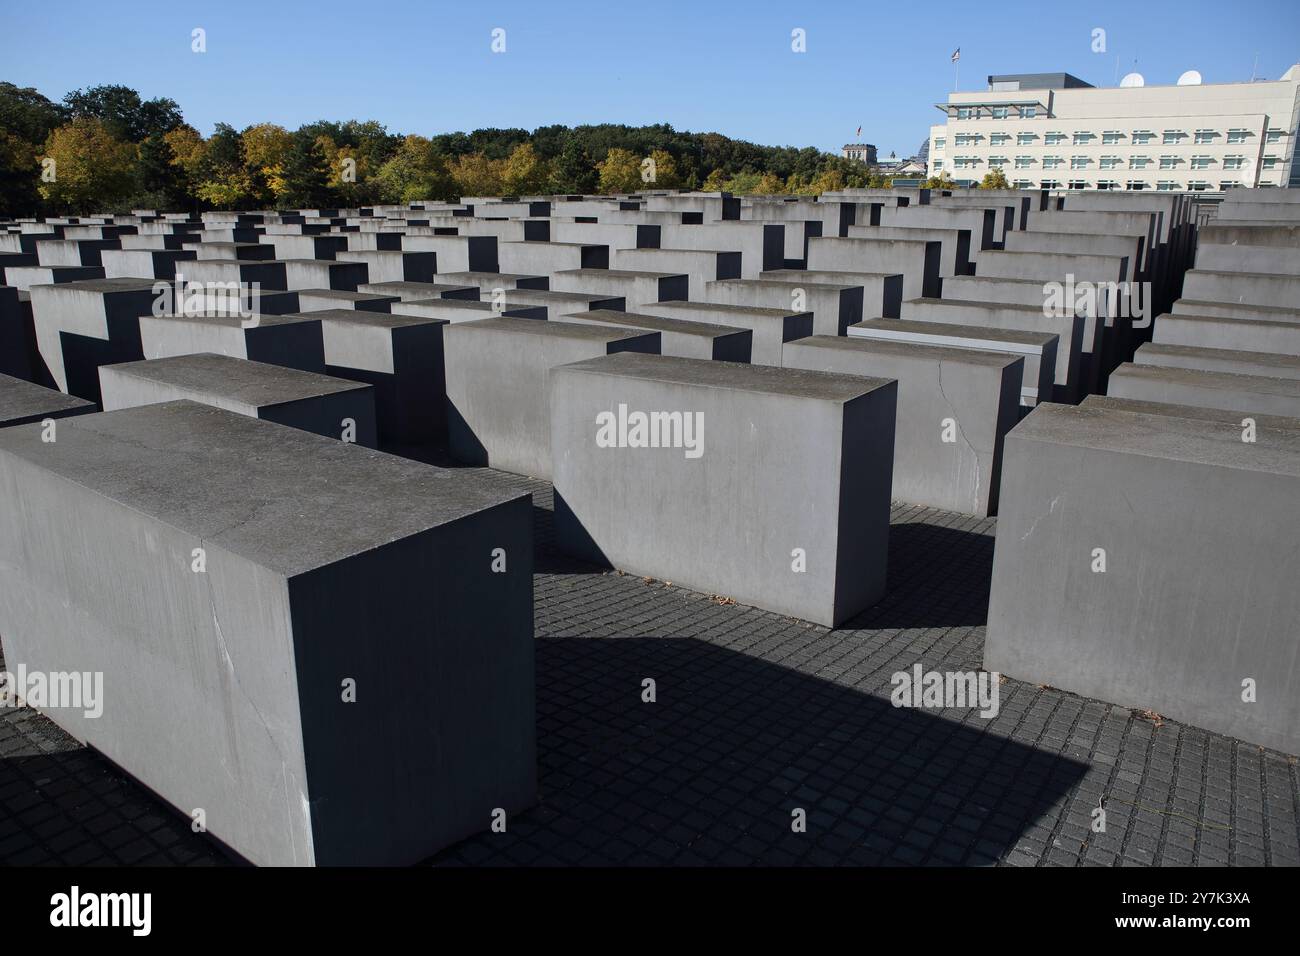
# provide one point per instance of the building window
(1026, 139)
(1111, 162)
(1198, 185)
(1234, 162)
(966, 162)
(1201, 162)
(1173, 137)
(1142, 136)
(1135, 184)
(937, 164)
(1107, 184)
(1024, 162)
(1205, 137)
(1022, 184)
(1139, 162)
(1270, 162)
(1111, 137)
(999, 139)
(1078, 184)
(938, 142)
(1169, 162)
(998, 112)
(1051, 162)
(1165, 186)
(1237, 136)
(1083, 138)
(1229, 184)
(964, 112)
(1028, 112)
(1053, 139)
(966, 139)
(1273, 136)
(997, 162)
(1079, 162)
(1049, 184)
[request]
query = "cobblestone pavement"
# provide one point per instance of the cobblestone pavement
(759, 715)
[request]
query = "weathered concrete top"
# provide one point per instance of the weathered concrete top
(374, 320)
(1188, 306)
(284, 498)
(344, 296)
(1216, 416)
(824, 276)
(249, 383)
(639, 320)
(1150, 350)
(1015, 336)
(1232, 381)
(618, 273)
(919, 350)
(1152, 436)
(236, 321)
(1229, 321)
(20, 400)
(736, 376)
(401, 289)
(990, 305)
(782, 284)
(723, 309)
(567, 330)
(103, 286)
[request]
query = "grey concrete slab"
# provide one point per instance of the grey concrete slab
(84, 324)
(556, 303)
(402, 357)
(224, 689)
(1236, 257)
(394, 266)
(677, 337)
(805, 458)
(882, 293)
(1068, 376)
(1149, 632)
(917, 260)
(771, 328)
(267, 273)
(633, 287)
(73, 252)
(311, 300)
(466, 310)
(956, 258)
(1038, 349)
(834, 307)
(324, 274)
(409, 291)
(1237, 310)
(954, 407)
(22, 402)
(487, 282)
(321, 404)
(291, 341)
(497, 371)
(149, 263)
(289, 246)
(698, 265)
(1219, 332)
(1226, 390)
(1268, 364)
(242, 251)
(23, 277)
(1247, 288)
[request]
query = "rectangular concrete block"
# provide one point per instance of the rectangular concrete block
(919, 261)
(1227, 390)
(1194, 599)
(771, 328)
(954, 408)
(497, 371)
(1038, 349)
(322, 563)
(321, 404)
(677, 337)
(22, 402)
(633, 288)
(805, 458)
(293, 341)
(1220, 332)
(1267, 364)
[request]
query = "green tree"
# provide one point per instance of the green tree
(995, 179)
(306, 172)
(524, 173)
(415, 171)
(942, 181)
(573, 170)
(161, 182)
(477, 175)
(91, 169)
(620, 172)
(666, 175)
(123, 112)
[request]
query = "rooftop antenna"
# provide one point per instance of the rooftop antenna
(1254, 70)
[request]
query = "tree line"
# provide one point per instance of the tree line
(105, 149)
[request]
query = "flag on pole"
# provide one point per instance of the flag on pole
(859, 133)
(956, 54)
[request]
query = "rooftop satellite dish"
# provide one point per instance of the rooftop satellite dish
(1293, 73)
(1133, 79)
(1190, 78)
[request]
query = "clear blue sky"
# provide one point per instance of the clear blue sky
(424, 66)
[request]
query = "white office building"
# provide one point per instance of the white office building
(1054, 131)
